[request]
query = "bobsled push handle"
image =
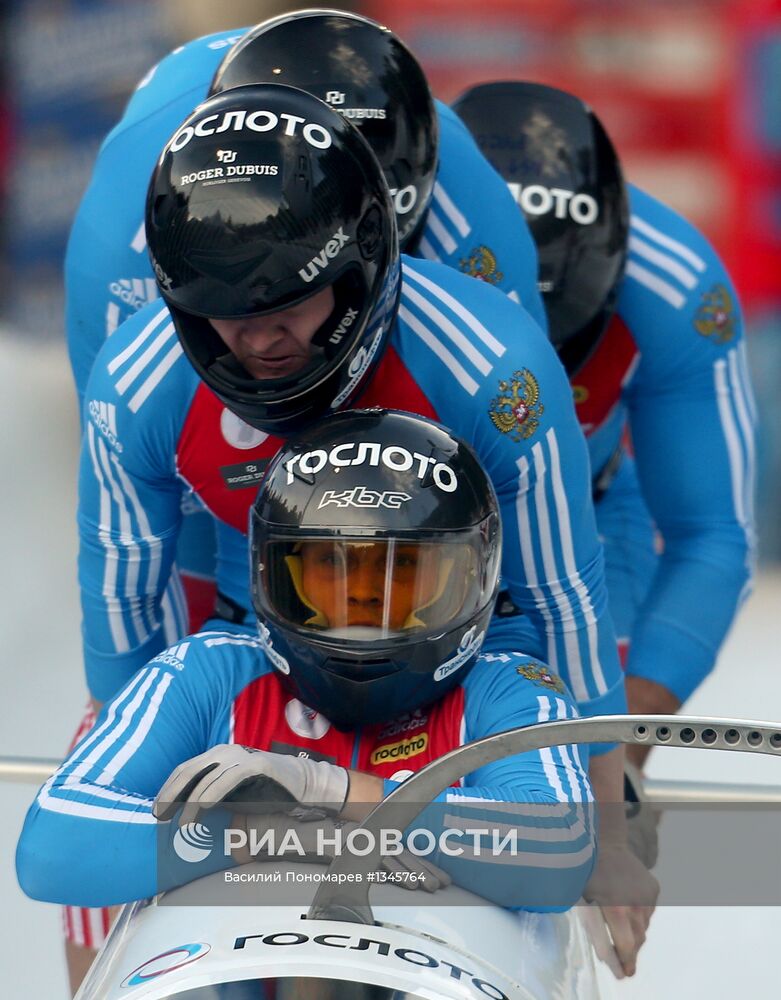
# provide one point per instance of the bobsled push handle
(350, 900)
(27, 770)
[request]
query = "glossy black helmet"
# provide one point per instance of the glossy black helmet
(558, 161)
(366, 74)
(263, 198)
(375, 550)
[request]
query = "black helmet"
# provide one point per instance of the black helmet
(558, 161)
(375, 544)
(364, 72)
(263, 198)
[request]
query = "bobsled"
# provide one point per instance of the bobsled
(456, 950)
(354, 940)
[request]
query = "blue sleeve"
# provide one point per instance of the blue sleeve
(129, 498)
(107, 272)
(186, 71)
(494, 378)
(474, 224)
(693, 422)
(541, 801)
(90, 838)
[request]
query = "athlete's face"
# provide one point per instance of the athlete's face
(280, 343)
(352, 584)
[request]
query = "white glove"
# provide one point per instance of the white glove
(318, 840)
(259, 781)
(642, 819)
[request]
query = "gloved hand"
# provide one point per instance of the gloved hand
(260, 781)
(319, 840)
(641, 818)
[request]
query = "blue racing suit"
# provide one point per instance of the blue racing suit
(459, 352)
(90, 838)
(666, 405)
(108, 276)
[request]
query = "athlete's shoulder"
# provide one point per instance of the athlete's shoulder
(226, 643)
(653, 218)
(142, 361)
(440, 280)
(449, 122)
(186, 71)
(483, 364)
(474, 224)
(457, 145)
(675, 289)
(215, 662)
(506, 683)
(467, 310)
(669, 258)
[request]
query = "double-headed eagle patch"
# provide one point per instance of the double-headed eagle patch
(716, 316)
(539, 674)
(481, 263)
(518, 409)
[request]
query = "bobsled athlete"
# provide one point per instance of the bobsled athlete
(374, 582)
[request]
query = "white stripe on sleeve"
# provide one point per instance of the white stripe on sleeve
(667, 242)
(112, 318)
(157, 376)
(474, 324)
(428, 251)
(655, 284)
(116, 621)
(129, 545)
(145, 359)
(450, 330)
(145, 334)
(575, 671)
(523, 518)
(663, 261)
(568, 549)
(444, 200)
(153, 542)
(437, 228)
(732, 439)
(444, 355)
(129, 748)
(744, 422)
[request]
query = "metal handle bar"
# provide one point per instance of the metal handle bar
(350, 900)
(27, 770)
(36, 770)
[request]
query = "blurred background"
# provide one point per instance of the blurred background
(690, 91)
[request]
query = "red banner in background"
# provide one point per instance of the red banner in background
(669, 80)
(755, 117)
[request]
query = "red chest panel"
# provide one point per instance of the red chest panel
(267, 717)
(597, 386)
(223, 458)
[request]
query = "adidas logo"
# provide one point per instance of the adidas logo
(104, 417)
(134, 292)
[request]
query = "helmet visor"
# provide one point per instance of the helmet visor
(359, 589)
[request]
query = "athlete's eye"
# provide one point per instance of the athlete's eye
(406, 559)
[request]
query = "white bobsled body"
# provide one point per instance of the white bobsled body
(456, 947)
